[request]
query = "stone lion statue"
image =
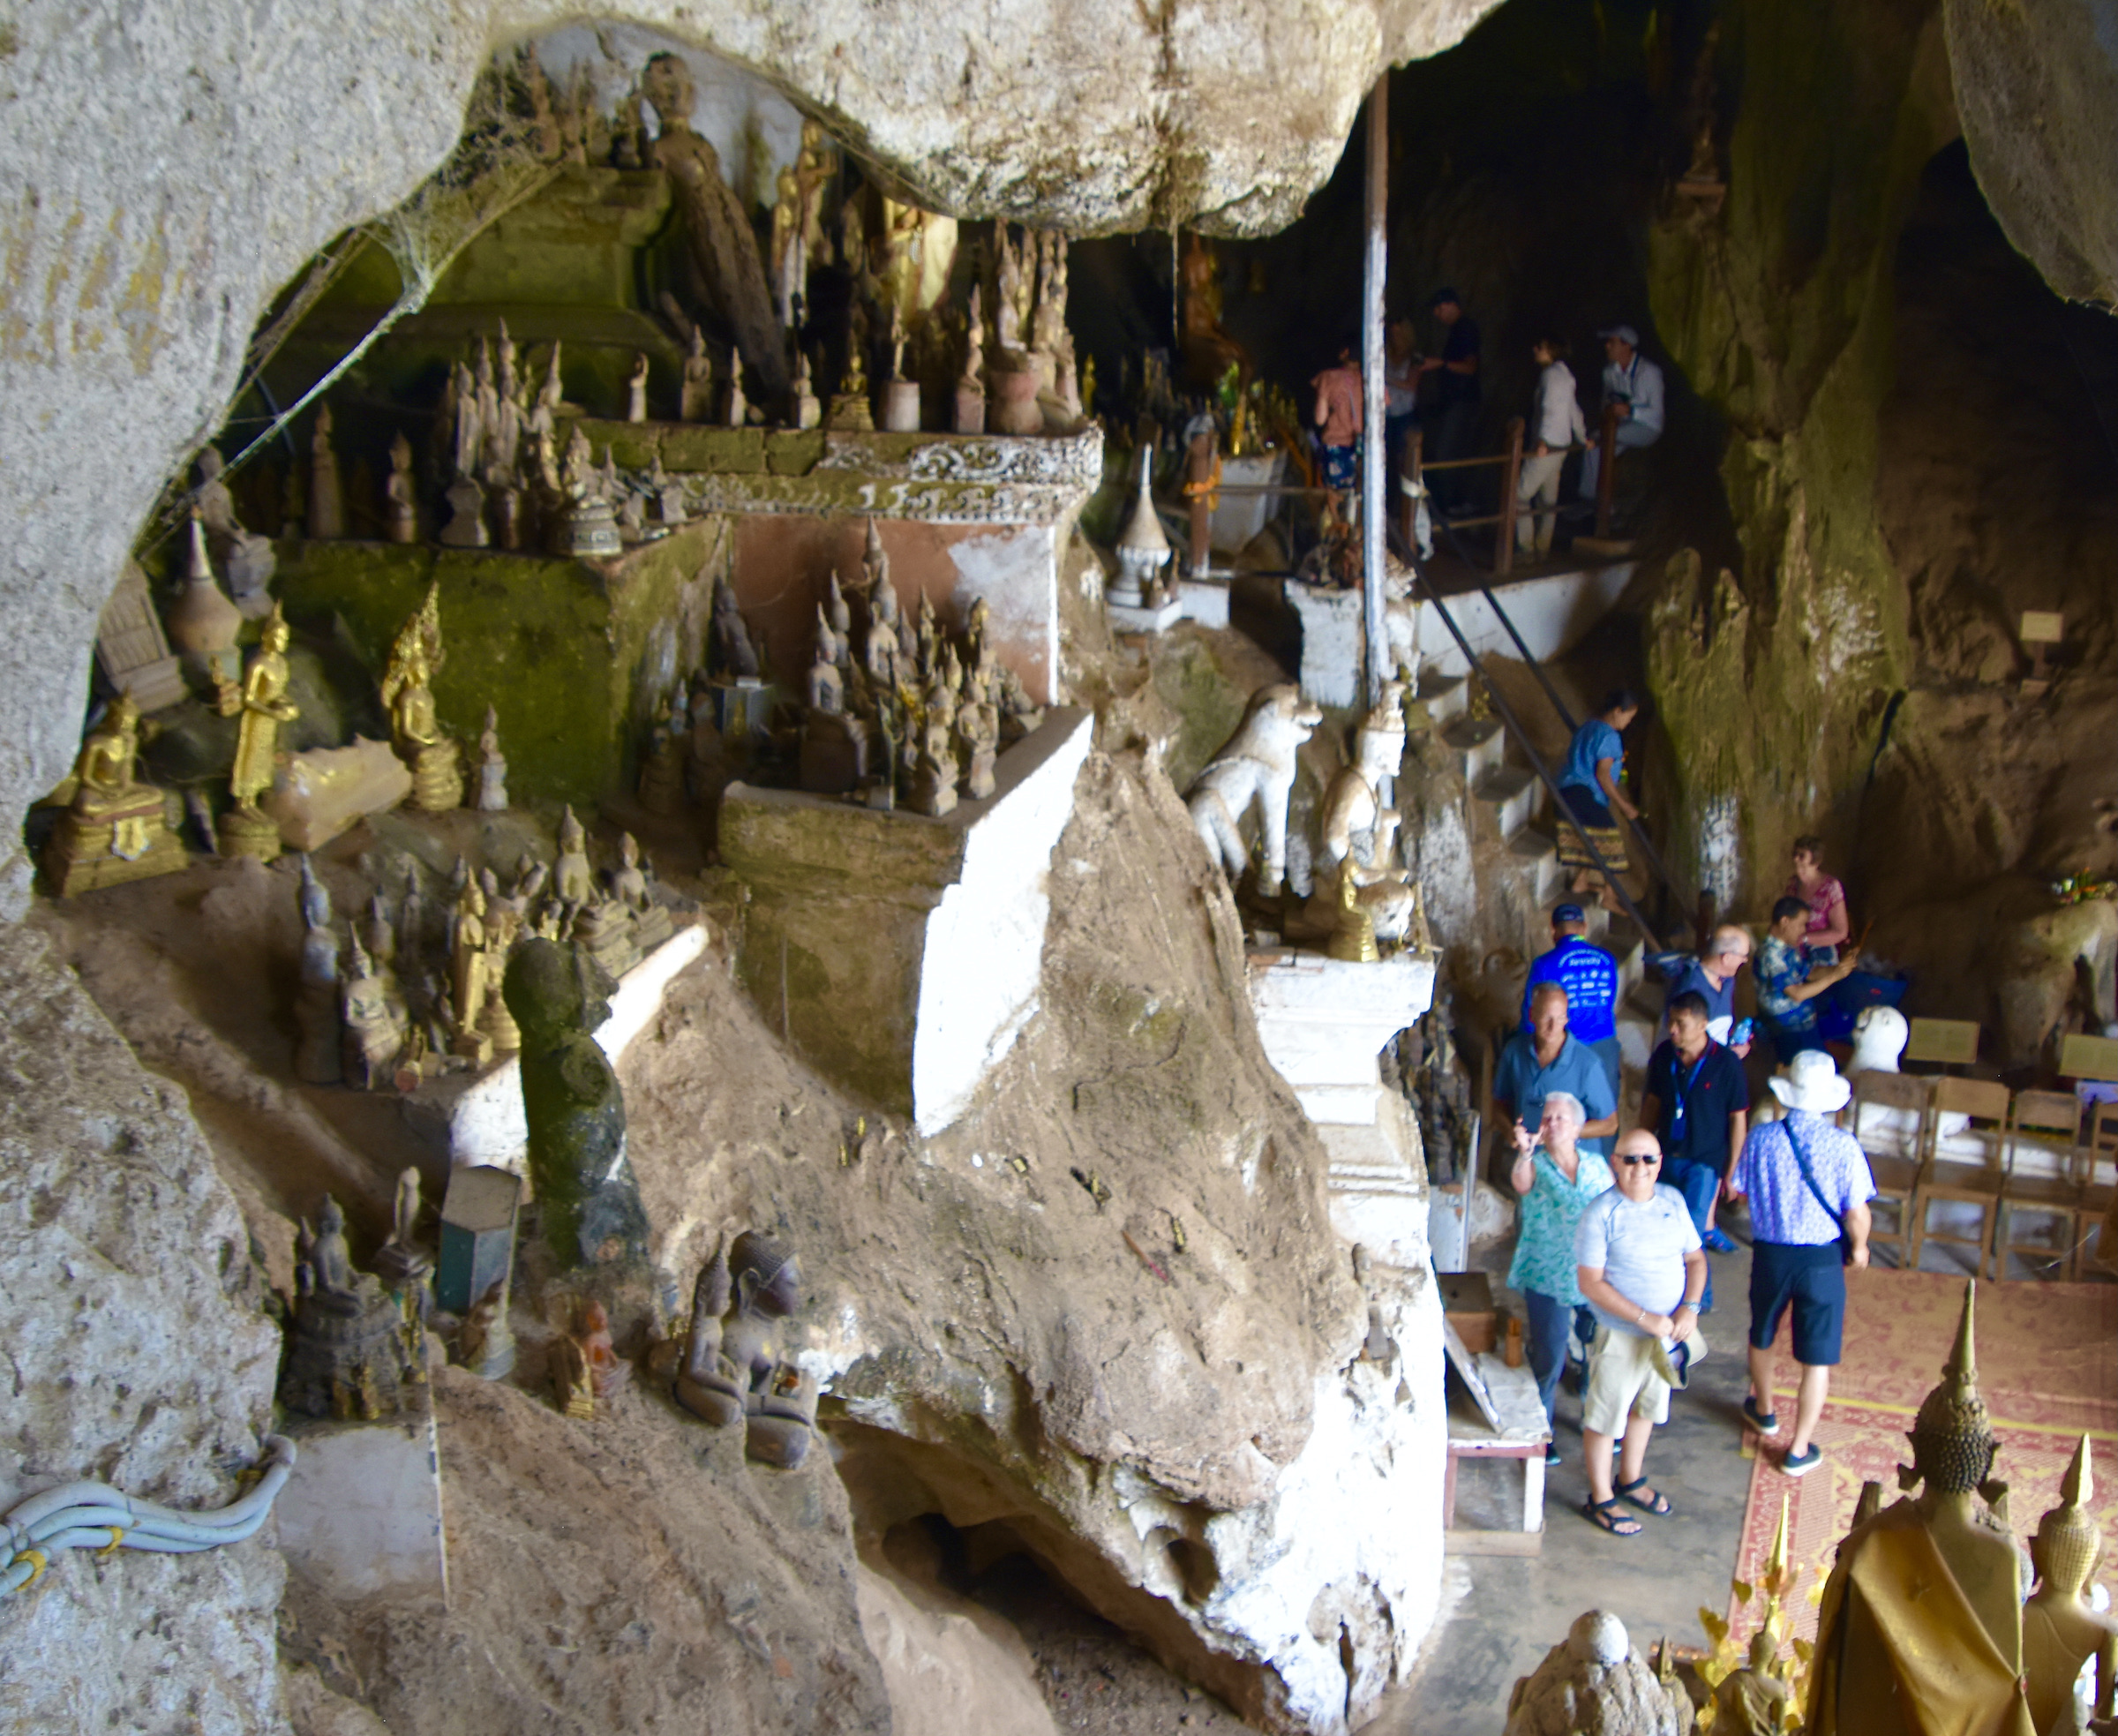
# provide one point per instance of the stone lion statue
(1256, 764)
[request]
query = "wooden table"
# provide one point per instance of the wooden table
(1523, 1434)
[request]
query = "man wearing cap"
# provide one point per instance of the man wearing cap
(1589, 976)
(1634, 384)
(1642, 1270)
(1808, 1186)
(1544, 1056)
(1455, 395)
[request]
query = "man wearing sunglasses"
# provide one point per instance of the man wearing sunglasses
(1642, 1269)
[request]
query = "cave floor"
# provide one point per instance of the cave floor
(1501, 1614)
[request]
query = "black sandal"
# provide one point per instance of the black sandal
(1659, 1506)
(1605, 1516)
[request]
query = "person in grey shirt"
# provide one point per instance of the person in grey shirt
(1635, 385)
(1643, 1271)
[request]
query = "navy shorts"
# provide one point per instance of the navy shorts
(1815, 1280)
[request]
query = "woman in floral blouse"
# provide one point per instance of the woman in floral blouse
(1556, 1181)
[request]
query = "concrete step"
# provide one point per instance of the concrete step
(1513, 793)
(1537, 855)
(1444, 697)
(1636, 1038)
(1482, 742)
(1627, 944)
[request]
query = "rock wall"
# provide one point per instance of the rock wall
(2035, 85)
(1104, 1315)
(1771, 683)
(138, 1356)
(171, 166)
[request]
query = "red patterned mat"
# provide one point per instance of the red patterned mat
(2048, 1367)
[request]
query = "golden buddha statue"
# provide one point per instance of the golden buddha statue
(2060, 1631)
(408, 695)
(1922, 1626)
(262, 703)
(115, 828)
(1353, 939)
(468, 975)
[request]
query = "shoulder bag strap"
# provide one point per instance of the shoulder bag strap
(1801, 1157)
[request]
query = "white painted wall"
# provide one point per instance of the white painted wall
(361, 1514)
(984, 954)
(1551, 613)
(1017, 571)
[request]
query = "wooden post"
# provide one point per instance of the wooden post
(1606, 471)
(1410, 499)
(1198, 473)
(1511, 485)
(1374, 502)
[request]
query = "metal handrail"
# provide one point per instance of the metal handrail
(1536, 760)
(1654, 857)
(1655, 861)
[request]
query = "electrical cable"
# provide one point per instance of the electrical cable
(93, 1516)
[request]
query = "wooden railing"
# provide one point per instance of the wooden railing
(1200, 489)
(1510, 460)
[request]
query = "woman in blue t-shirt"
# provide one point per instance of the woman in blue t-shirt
(1589, 785)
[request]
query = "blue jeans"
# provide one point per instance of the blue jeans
(1629, 436)
(1698, 1183)
(1548, 1318)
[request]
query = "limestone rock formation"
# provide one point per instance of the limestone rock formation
(138, 1354)
(1104, 1316)
(1592, 1683)
(628, 1574)
(167, 188)
(2031, 84)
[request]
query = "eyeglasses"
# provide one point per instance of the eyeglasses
(1640, 1159)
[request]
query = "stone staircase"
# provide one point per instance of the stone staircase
(1517, 809)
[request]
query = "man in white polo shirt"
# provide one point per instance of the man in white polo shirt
(1644, 1271)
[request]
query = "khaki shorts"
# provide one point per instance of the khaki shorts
(1622, 1382)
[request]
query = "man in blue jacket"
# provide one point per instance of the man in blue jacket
(1589, 976)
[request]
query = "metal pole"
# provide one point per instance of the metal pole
(1374, 503)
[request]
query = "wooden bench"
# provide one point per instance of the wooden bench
(1506, 1421)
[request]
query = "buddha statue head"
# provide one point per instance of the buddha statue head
(1952, 1436)
(665, 81)
(2069, 1542)
(316, 902)
(555, 992)
(766, 1278)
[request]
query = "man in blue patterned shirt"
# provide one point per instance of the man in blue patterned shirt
(1795, 1249)
(1790, 982)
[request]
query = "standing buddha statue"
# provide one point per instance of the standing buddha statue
(263, 705)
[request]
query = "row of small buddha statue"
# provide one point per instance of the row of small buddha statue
(911, 715)
(389, 1011)
(118, 827)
